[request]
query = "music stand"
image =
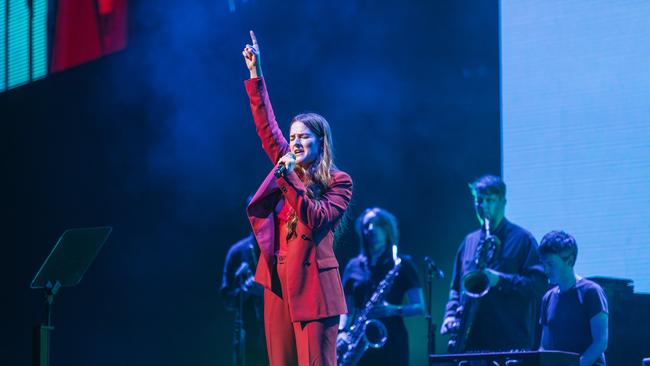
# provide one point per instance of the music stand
(64, 267)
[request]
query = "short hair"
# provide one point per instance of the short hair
(559, 243)
(488, 184)
(385, 220)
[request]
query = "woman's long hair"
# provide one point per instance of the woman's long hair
(383, 219)
(319, 171)
(318, 177)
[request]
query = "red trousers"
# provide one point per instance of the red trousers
(307, 343)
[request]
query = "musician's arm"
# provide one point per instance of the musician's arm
(530, 281)
(415, 303)
(346, 319)
(545, 339)
(454, 289)
(348, 287)
(454, 292)
(599, 335)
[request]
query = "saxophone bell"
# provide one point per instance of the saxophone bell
(375, 333)
(366, 333)
(476, 284)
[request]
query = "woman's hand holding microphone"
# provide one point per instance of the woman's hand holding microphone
(286, 164)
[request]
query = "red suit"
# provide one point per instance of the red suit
(306, 302)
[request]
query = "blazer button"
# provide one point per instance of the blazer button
(304, 237)
(284, 189)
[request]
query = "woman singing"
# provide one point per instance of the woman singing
(294, 215)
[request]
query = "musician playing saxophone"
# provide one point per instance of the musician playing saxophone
(505, 317)
(377, 231)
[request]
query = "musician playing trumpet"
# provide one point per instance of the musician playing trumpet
(503, 257)
(378, 232)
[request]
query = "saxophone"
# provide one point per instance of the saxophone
(475, 285)
(364, 332)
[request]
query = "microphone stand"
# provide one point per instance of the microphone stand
(431, 334)
(432, 271)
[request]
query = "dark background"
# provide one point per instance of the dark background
(158, 142)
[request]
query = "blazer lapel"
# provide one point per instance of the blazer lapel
(260, 214)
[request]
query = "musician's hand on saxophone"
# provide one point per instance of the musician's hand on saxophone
(342, 338)
(450, 324)
(493, 276)
(383, 310)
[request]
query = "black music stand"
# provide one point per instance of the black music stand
(64, 267)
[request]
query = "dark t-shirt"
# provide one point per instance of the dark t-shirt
(360, 282)
(568, 315)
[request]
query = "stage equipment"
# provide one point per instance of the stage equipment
(64, 267)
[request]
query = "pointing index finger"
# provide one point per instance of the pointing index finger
(253, 38)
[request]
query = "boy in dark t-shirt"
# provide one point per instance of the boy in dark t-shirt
(574, 313)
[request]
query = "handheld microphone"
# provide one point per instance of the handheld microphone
(282, 169)
(433, 267)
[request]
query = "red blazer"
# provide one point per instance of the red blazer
(314, 283)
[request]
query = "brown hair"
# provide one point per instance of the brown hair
(488, 184)
(559, 243)
(318, 177)
(383, 219)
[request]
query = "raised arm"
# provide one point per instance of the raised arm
(274, 144)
